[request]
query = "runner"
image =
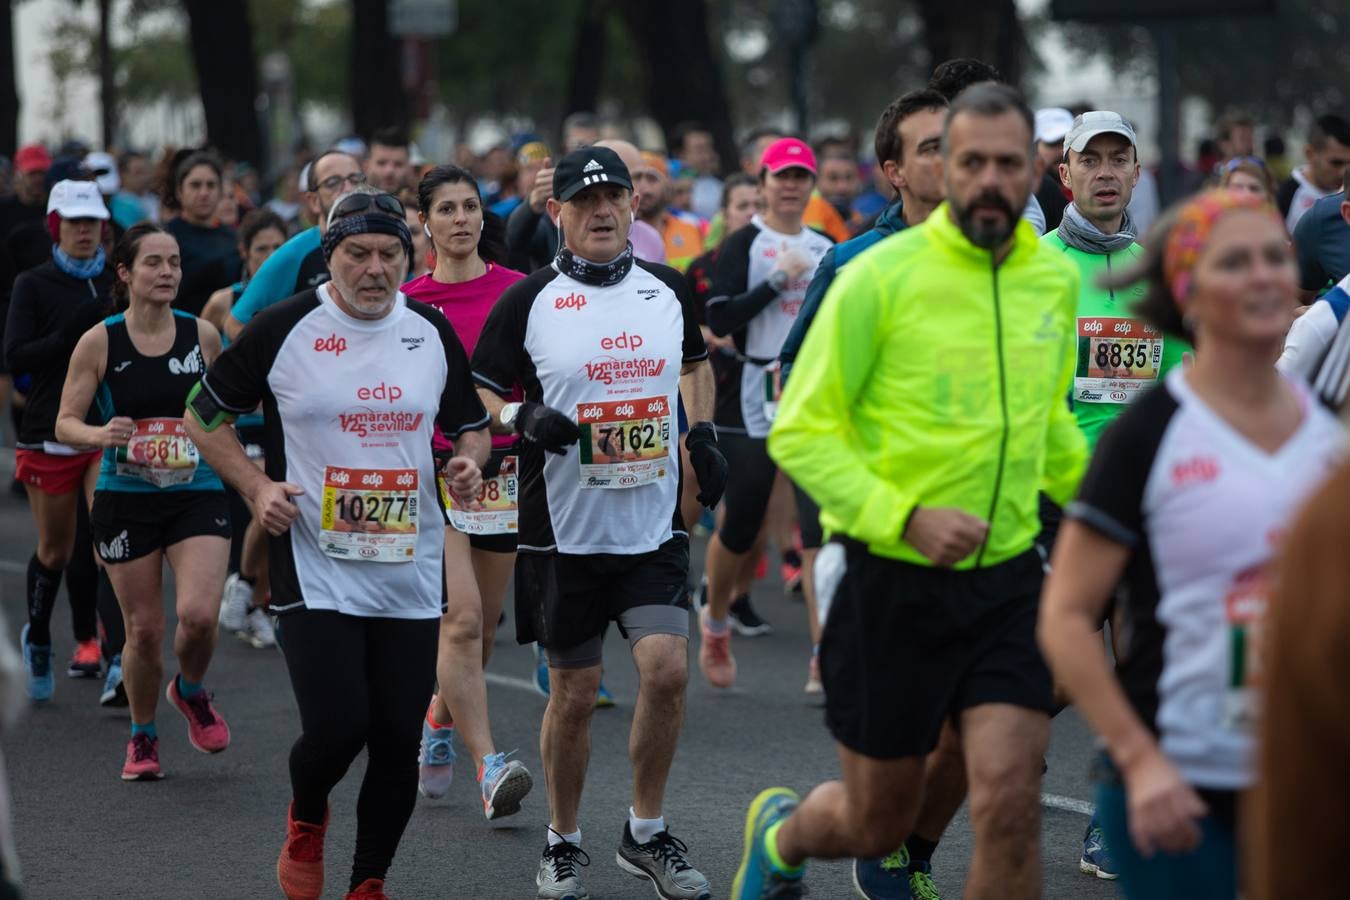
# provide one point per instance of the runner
(50, 308)
(480, 548)
(350, 499)
(1328, 155)
(387, 167)
(762, 275)
(261, 234)
(891, 419)
(154, 500)
(210, 250)
(682, 240)
(1187, 499)
(604, 347)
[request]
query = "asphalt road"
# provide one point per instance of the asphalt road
(212, 828)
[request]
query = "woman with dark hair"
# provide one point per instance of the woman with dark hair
(1186, 500)
(480, 545)
(155, 500)
(52, 306)
(209, 249)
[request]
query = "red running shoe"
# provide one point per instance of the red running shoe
(370, 889)
(87, 661)
(207, 731)
(142, 759)
(300, 865)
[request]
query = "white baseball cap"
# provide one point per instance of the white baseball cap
(104, 168)
(1052, 123)
(76, 200)
(1098, 121)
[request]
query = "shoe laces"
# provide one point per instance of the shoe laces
(899, 860)
(668, 850)
(494, 763)
(142, 748)
(921, 886)
(200, 705)
(564, 857)
(42, 659)
(306, 843)
(719, 645)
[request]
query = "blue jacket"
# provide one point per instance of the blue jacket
(888, 223)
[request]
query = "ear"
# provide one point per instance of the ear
(312, 203)
(1345, 211)
(634, 203)
(554, 208)
(1064, 177)
(891, 169)
(1135, 181)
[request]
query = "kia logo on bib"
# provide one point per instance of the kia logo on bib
(331, 344)
(571, 301)
(387, 392)
(624, 341)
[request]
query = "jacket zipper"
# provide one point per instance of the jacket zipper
(1111, 292)
(1003, 407)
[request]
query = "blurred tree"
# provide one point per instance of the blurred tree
(375, 70)
(221, 37)
(9, 89)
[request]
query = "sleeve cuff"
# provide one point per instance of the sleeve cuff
(1100, 521)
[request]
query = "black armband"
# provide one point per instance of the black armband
(206, 410)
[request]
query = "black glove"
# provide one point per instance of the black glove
(547, 427)
(710, 466)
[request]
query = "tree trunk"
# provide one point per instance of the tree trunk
(107, 93)
(376, 71)
(9, 89)
(227, 76)
(684, 81)
(588, 57)
(987, 30)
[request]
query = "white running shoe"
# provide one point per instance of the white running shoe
(258, 629)
(234, 603)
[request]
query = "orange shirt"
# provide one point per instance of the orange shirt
(823, 217)
(684, 242)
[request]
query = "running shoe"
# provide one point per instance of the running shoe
(662, 862)
(504, 783)
(604, 699)
(540, 671)
(436, 761)
(921, 886)
(207, 731)
(114, 691)
(1096, 858)
(87, 661)
(234, 603)
(300, 865)
(757, 878)
(791, 573)
(557, 878)
(258, 629)
(714, 656)
(37, 664)
(762, 567)
(813, 682)
(886, 878)
(370, 889)
(745, 620)
(142, 759)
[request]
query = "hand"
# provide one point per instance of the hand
(945, 536)
(1163, 808)
(273, 506)
(543, 187)
(117, 432)
(465, 479)
(793, 262)
(708, 463)
(552, 430)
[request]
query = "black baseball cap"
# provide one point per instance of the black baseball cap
(590, 165)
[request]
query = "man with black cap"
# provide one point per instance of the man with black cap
(604, 347)
(351, 500)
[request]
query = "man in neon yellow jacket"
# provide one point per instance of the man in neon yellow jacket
(927, 410)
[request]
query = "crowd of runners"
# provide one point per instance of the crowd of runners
(1018, 437)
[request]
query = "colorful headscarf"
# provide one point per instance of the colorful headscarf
(1190, 235)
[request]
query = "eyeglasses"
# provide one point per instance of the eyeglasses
(333, 182)
(1244, 160)
(356, 203)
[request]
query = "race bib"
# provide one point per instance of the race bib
(773, 389)
(499, 497)
(624, 443)
(159, 453)
(369, 515)
(1117, 359)
(1244, 609)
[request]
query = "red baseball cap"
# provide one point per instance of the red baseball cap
(787, 153)
(32, 158)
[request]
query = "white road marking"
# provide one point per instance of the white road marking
(520, 684)
(1069, 804)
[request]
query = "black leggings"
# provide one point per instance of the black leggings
(749, 486)
(360, 682)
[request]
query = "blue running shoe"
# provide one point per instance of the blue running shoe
(540, 671)
(37, 664)
(886, 878)
(757, 878)
(603, 698)
(436, 761)
(114, 692)
(504, 783)
(1096, 858)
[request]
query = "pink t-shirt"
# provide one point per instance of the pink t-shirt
(466, 305)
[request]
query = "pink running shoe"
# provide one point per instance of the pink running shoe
(142, 759)
(207, 731)
(714, 656)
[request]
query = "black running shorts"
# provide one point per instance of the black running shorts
(905, 646)
(127, 525)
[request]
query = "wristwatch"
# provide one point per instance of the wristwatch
(509, 413)
(778, 280)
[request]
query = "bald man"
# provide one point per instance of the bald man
(646, 240)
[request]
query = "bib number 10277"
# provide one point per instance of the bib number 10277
(369, 515)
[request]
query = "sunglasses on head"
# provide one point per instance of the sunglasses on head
(1240, 160)
(356, 203)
